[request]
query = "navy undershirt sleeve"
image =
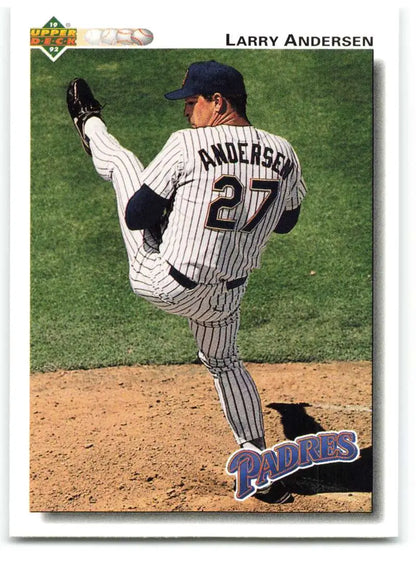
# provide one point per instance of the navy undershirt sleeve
(145, 209)
(287, 221)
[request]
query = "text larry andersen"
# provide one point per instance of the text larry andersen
(291, 40)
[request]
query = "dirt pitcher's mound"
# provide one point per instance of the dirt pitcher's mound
(154, 438)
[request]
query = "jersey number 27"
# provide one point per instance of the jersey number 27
(214, 219)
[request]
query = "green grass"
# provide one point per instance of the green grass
(83, 313)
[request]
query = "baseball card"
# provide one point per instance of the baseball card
(203, 237)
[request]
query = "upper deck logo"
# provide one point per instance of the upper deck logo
(53, 38)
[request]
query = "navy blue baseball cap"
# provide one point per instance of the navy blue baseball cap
(208, 77)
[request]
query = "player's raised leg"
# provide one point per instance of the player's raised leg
(120, 166)
(112, 162)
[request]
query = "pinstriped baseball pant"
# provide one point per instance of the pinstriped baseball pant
(213, 311)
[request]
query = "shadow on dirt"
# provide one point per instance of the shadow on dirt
(352, 477)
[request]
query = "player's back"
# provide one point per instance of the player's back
(234, 184)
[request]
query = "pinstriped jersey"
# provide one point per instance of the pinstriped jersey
(230, 186)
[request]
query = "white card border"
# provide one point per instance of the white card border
(26, 524)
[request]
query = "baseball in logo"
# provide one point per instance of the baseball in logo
(122, 37)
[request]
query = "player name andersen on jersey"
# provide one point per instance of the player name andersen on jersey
(298, 41)
(246, 153)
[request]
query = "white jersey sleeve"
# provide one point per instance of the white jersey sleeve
(163, 173)
(297, 190)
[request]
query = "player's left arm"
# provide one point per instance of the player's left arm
(290, 215)
(287, 221)
(145, 209)
(149, 206)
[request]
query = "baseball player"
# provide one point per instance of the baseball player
(196, 220)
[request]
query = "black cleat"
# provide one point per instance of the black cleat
(275, 493)
(81, 106)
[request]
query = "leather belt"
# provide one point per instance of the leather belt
(190, 284)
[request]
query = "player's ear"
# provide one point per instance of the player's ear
(220, 103)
